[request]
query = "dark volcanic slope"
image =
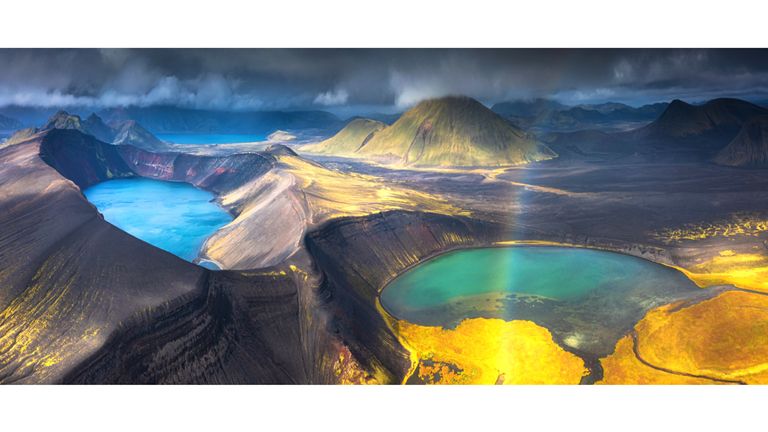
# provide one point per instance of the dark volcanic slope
(710, 125)
(86, 161)
(358, 256)
(81, 301)
(69, 278)
(749, 148)
(242, 329)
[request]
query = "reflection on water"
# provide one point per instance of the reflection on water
(510, 281)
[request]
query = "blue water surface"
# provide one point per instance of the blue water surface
(211, 138)
(176, 217)
(463, 278)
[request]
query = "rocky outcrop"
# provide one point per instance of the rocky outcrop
(215, 173)
(131, 133)
(117, 132)
(82, 158)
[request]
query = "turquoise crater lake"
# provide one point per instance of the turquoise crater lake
(176, 217)
(531, 282)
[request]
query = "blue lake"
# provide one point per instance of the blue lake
(211, 138)
(487, 281)
(176, 217)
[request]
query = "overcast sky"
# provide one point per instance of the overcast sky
(371, 80)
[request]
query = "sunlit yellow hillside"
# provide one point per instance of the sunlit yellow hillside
(454, 131)
(349, 140)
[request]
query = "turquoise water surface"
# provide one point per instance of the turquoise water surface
(176, 217)
(471, 280)
(211, 138)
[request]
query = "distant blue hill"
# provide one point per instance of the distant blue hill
(174, 120)
(549, 115)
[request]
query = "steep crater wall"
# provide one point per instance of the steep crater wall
(358, 256)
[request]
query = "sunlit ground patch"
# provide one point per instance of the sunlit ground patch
(744, 270)
(490, 351)
(739, 224)
(724, 338)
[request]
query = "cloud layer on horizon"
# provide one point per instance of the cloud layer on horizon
(387, 79)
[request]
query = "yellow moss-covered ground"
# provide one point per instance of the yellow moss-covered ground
(490, 351)
(623, 367)
(724, 338)
(744, 270)
(739, 224)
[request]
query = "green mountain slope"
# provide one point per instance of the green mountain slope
(348, 140)
(454, 131)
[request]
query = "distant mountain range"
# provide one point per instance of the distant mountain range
(116, 132)
(381, 117)
(165, 119)
(716, 120)
(458, 131)
(8, 123)
(450, 131)
(682, 132)
(548, 115)
(169, 119)
(29, 116)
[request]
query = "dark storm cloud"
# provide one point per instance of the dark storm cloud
(376, 79)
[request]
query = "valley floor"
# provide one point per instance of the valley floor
(710, 222)
(314, 242)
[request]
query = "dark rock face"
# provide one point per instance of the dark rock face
(241, 330)
(749, 148)
(82, 158)
(131, 133)
(358, 256)
(94, 125)
(87, 161)
(217, 174)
